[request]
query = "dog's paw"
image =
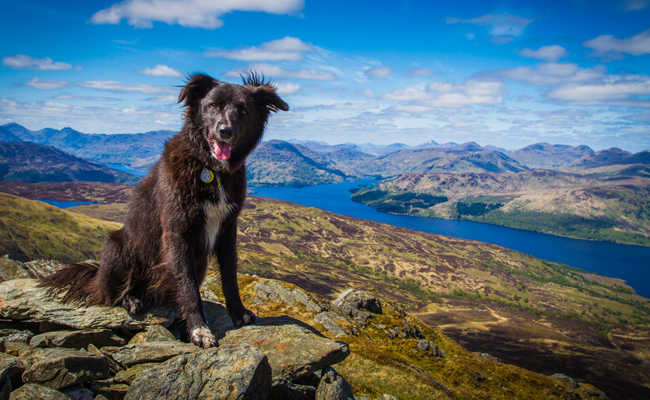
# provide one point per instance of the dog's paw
(202, 337)
(131, 304)
(245, 317)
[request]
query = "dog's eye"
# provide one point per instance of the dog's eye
(213, 105)
(243, 111)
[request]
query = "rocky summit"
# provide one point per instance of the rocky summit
(52, 350)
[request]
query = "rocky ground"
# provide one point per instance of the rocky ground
(56, 351)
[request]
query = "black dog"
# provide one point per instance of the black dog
(184, 210)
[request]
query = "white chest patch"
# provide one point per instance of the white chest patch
(215, 214)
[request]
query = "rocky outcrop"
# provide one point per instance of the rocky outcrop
(358, 305)
(49, 349)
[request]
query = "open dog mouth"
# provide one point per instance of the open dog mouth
(221, 150)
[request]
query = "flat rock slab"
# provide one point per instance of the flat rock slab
(293, 349)
(152, 352)
(21, 299)
(77, 339)
(225, 372)
(37, 392)
(58, 368)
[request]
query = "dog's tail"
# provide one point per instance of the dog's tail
(75, 280)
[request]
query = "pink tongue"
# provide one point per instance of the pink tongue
(223, 151)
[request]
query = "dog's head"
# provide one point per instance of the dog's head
(229, 119)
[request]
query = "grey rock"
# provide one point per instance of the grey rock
(18, 349)
(487, 356)
(133, 373)
(58, 368)
(33, 391)
(333, 387)
(77, 339)
(563, 378)
(293, 350)
(225, 372)
(275, 290)
(78, 394)
(428, 346)
(10, 269)
(152, 352)
(358, 305)
(284, 389)
(109, 389)
(328, 320)
(15, 335)
(5, 385)
(15, 367)
(158, 333)
(22, 299)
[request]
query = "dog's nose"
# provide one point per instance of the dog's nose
(226, 132)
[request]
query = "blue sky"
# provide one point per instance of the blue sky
(506, 73)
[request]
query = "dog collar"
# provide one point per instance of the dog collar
(207, 176)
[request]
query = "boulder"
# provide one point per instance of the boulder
(358, 305)
(158, 333)
(133, 373)
(333, 387)
(566, 379)
(275, 290)
(139, 353)
(293, 348)
(233, 372)
(33, 391)
(58, 368)
(22, 299)
(328, 320)
(77, 339)
(430, 347)
(15, 367)
(284, 389)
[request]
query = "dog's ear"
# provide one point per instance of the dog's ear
(196, 88)
(266, 97)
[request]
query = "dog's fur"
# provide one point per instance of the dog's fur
(175, 220)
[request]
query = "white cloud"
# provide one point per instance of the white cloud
(276, 71)
(191, 13)
(22, 61)
(409, 94)
(378, 72)
(552, 73)
(169, 98)
(548, 53)
(608, 45)
(114, 86)
(84, 98)
(287, 88)
(419, 72)
(161, 70)
(285, 49)
(352, 106)
(46, 84)
(52, 104)
(499, 24)
(615, 90)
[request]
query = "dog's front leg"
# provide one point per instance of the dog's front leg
(226, 250)
(180, 258)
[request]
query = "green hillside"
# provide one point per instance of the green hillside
(609, 203)
(34, 230)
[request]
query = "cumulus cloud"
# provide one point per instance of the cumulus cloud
(169, 98)
(378, 72)
(447, 94)
(500, 25)
(615, 90)
(352, 106)
(46, 84)
(608, 45)
(84, 98)
(22, 61)
(551, 73)
(161, 70)
(279, 72)
(285, 49)
(547, 53)
(419, 72)
(114, 86)
(191, 13)
(287, 88)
